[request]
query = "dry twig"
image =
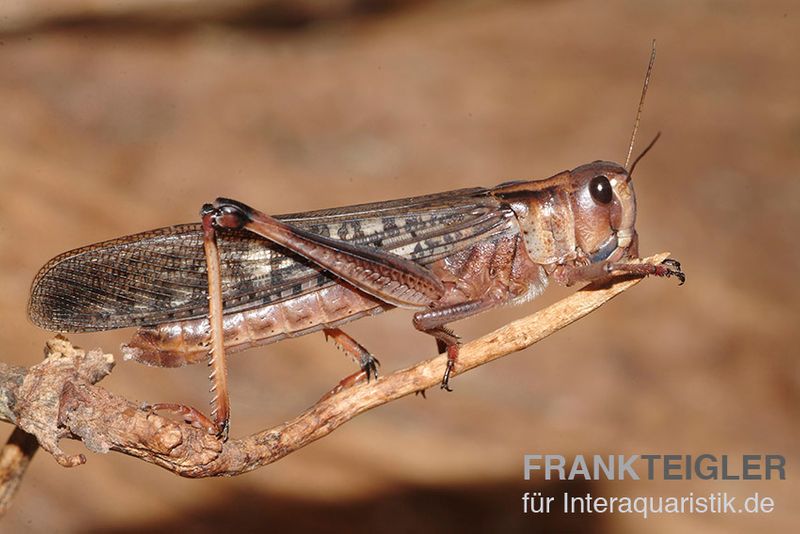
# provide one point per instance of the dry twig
(14, 460)
(58, 399)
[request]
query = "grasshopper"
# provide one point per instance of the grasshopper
(241, 278)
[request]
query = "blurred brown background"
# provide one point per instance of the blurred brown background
(113, 122)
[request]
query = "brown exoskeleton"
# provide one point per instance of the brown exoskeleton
(242, 278)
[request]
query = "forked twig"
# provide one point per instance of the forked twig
(71, 406)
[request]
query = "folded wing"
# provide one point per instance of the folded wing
(160, 276)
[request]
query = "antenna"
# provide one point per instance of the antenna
(641, 102)
(645, 151)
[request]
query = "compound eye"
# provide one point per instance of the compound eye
(600, 188)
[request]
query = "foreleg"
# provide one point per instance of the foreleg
(570, 274)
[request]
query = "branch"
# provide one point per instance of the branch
(58, 399)
(15, 457)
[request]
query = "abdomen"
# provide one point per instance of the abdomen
(181, 343)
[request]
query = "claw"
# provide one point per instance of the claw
(672, 262)
(370, 364)
(673, 268)
(446, 378)
(224, 430)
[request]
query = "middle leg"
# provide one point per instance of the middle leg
(358, 353)
(434, 322)
(483, 281)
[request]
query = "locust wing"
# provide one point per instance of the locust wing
(159, 276)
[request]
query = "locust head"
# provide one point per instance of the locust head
(604, 205)
(586, 214)
(604, 211)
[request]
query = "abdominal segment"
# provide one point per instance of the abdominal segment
(181, 343)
